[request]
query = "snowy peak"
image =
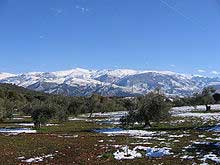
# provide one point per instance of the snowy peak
(73, 72)
(5, 75)
(118, 82)
(122, 72)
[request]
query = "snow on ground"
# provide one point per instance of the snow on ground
(79, 119)
(212, 157)
(32, 124)
(114, 121)
(103, 118)
(215, 128)
(157, 152)
(117, 114)
(207, 151)
(37, 159)
(68, 136)
(17, 118)
(16, 131)
(135, 133)
(213, 139)
(203, 116)
(184, 109)
(178, 136)
(126, 153)
(167, 139)
(190, 112)
(110, 118)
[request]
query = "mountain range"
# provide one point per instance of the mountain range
(119, 82)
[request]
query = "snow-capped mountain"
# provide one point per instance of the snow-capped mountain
(5, 75)
(119, 82)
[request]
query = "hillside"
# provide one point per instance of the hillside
(15, 99)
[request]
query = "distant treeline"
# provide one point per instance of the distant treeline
(206, 97)
(42, 106)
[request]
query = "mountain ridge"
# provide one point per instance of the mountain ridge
(118, 82)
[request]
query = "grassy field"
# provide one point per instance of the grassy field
(75, 142)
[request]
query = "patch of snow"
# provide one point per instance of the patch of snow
(120, 131)
(117, 114)
(203, 116)
(32, 124)
(17, 118)
(26, 124)
(104, 118)
(215, 139)
(176, 136)
(215, 128)
(75, 136)
(37, 159)
(16, 131)
(187, 157)
(157, 152)
(201, 136)
(211, 157)
(78, 119)
(184, 109)
(126, 153)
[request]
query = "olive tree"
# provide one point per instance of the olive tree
(207, 97)
(93, 104)
(152, 107)
(41, 115)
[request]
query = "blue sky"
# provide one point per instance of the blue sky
(50, 35)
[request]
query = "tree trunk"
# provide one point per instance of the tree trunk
(37, 125)
(91, 114)
(208, 108)
(147, 122)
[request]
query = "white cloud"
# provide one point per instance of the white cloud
(215, 72)
(41, 37)
(57, 11)
(82, 9)
(201, 71)
(172, 65)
